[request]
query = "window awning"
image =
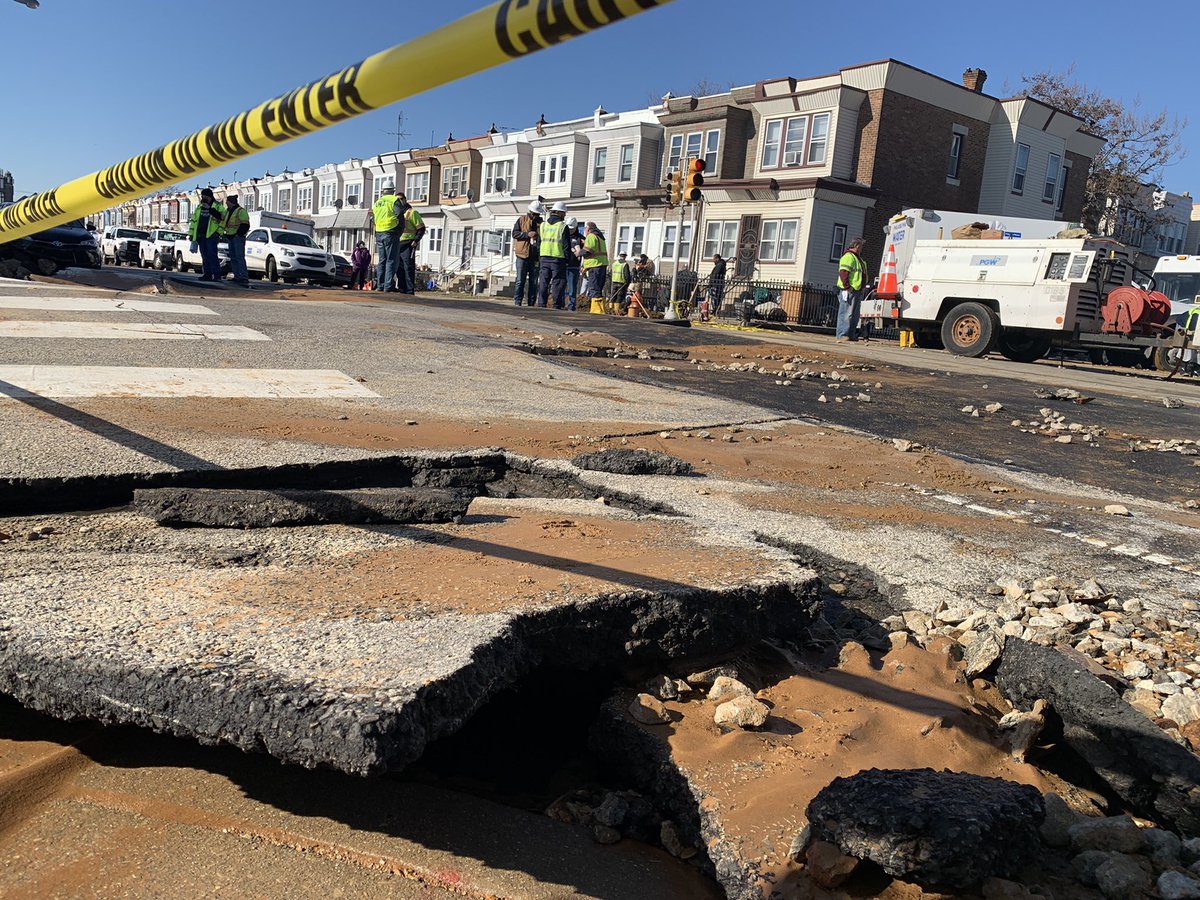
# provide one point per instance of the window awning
(352, 218)
(325, 221)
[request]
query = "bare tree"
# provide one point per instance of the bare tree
(1138, 146)
(702, 87)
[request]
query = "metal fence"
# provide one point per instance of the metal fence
(790, 305)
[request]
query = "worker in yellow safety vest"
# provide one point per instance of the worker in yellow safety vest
(595, 260)
(235, 229)
(412, 229)
(385, 217)
(851, 282)
(204, 230)
(554, 243)
(620, 282)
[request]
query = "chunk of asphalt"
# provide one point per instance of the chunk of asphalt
(357, 694)
(632, 462)
(217, 508)
(939, 829)
(1147, 769)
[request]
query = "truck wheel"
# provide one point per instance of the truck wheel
(970, 329)
(158, 262)
(272, 271)
(1022, 345)
(180, 264)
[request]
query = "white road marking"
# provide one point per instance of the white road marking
(103, 304)
(42, 286)
(134, 381)
(129, 330)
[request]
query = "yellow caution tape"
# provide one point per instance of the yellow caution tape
(503, 31)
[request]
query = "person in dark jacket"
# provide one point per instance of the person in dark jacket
(716, 284)
(574, 261)
(360, 261)
(554, 245)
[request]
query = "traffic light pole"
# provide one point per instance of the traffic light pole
(678, 247)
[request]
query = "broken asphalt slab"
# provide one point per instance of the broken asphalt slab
(355, 647)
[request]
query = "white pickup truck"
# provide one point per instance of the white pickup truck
(158, 250)
(120, 245)
(187, 259)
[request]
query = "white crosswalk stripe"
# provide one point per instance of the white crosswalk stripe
(139, 381)
(129, 330)
(102, 304)
(39, 306)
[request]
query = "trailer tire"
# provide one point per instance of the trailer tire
(1165, 362)
(1023, 345)
(970, 329)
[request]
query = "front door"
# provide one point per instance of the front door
(747, 248)
(467, 247)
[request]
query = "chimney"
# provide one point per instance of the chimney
(973, 80)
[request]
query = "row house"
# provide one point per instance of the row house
(1154, 221)
(796, 168)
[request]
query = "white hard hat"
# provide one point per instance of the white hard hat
(572, 222)
(560, 206)
(536, 208)
(389, 184)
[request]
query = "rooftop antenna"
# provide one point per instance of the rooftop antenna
(399, 134)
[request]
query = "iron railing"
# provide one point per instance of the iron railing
(789, 305)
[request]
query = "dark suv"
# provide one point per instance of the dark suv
(64, 245)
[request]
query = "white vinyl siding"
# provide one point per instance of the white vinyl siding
(830, 227)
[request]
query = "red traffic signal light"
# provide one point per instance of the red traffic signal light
(694, 180)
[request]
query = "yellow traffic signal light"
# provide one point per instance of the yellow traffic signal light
(694, 180)
(675, 188)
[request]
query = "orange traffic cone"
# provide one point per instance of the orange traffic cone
(888, 285)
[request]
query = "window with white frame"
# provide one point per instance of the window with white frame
(416, 187)
(505, 241)
(376, 189)
(552, 169)
(285, 200)
(1053, 168)
(675, 153)
(837, 246)
(433, 240)
(712, 140)
(693, 145)
(625, 172)
(354, 194)
(265, 201)
(1062, 187)
(778, 241)
(498, 177)
(720, 239)
(454, 182)
(454, 243)
(303, 199)
(329, 193)
(631, 240)
(599, 164)
(955, 163)
(796, 141)
(1020, 168)
(248, 201)
(685, 246)
(479, 242)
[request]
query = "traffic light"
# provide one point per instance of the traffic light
(694, 180)
(674, 188)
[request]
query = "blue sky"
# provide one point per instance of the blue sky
(92, 82)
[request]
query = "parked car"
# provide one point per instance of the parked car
(343, 271)
(66, 245)
(187, 259)
(280, 253)
(121, 245)
(159, 249)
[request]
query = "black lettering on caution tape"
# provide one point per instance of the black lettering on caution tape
(555, 21)
(297, 112)
(32, 210)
